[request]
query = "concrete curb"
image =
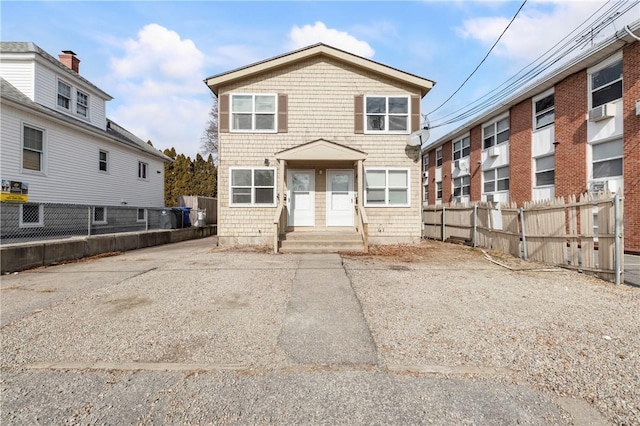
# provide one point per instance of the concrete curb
(18, 257)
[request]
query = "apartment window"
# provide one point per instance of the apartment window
(606, 84)
(545, 170)
(607, 159)
(426, 193)
(496, 179)
(544, 111)
(103, 156)
(439, 191)
(461, 186)
(461, 148)
(387, 187)
(99, 215)
(31, 215)
(439, 157)
(82, 104)
(387, 114)
(64, 95)
(495, 133)
(142, 170)
(425, 163)
(253, 112)
(32, 148)
(253, 186)
(142, 215)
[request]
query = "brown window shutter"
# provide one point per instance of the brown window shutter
(415, 113)
(223, 114)
(358, 117)
(283, 109)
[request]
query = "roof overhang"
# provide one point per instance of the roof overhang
(321, 150)
(214, 82)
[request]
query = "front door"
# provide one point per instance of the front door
(340, 198)
(301, 202)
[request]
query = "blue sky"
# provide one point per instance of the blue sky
(152, 57)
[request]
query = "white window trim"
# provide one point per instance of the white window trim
(43, 162)
(494, 122)
(93, 216)
(439, 183)
(386, 115)
(425, 163)
(495, 180)
(76, 103)
(438, 151)
(536, 171)
(610, 60)
(38, 224)
(253, 114)
(591, 145)
(146, 169)
(534, 114)
(460, 139)
(106, 161)
(253, 204)
(462, 186)
(386, 187)
(60, 107)
(144, 219)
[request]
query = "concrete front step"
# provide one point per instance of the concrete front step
(320, 242)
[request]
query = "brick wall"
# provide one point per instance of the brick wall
(432, 175)
(447, 188)
(631, 82)
(571, 132)
(475, 167)
(520, 152)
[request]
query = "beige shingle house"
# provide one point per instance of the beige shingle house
(315, 142)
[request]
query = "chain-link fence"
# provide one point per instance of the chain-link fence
(45, 221)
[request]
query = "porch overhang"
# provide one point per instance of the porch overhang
(321, 150)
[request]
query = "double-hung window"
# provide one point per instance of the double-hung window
(439, 191)
(64, 95)
(496, 179)
(31, 215)
(32, 148)
(545, 170)
(461, 187)
(607, 159)
(461, 148)
(495, 133)
(82, 104)
(544, 111)
(103, 157)
(253, 112)
(253, 186)
(606, 84)
(142, 170)
(439, 157)
(387, 187)
(387, 114)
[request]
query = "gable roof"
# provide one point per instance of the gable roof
(319, 49)
(321, 149)
(113, 132)
(20, 47)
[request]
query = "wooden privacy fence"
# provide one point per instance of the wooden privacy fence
(197, 202)
(585, 234)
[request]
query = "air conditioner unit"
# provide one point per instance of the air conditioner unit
(490, 198)
(456, 164)
(463, 165)
(601, 112)
(494, 151)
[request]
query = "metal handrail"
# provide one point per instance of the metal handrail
(363, 226)
(277, 220)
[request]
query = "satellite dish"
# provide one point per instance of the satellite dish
(418, 138)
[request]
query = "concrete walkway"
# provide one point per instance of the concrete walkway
(324, 323)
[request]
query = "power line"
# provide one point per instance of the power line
(482, 61)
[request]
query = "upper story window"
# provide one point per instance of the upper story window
(142, 170)
(607, 159)
(606, 84)
(82, 103)
(32, 148)
(439, 191)
(461, 148)
(544, 111)
(103, 157)
(439, 157)
(64, 95)
(251, 112)
(425, 163)
(388, 114)
(253, 186)
(495, 133)
(387, 187)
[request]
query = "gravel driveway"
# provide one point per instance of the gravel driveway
(155, 334)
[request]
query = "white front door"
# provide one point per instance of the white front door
(301, 202)
(340, 198)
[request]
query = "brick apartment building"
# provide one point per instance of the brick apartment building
(573, 131)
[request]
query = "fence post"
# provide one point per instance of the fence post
(523, 235)
(618, 236)
(475, 225)
(89, 221)
(146, 219)
(443, 222)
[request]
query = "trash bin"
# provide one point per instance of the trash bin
(167, 219)
(182, 214)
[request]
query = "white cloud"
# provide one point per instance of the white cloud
(319, 33)
(160, 94)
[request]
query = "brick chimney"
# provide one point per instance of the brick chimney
(68, 58)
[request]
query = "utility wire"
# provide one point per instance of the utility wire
(483, 59)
